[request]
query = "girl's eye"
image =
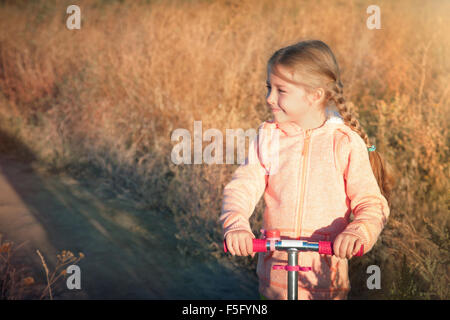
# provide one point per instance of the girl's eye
(279, 90)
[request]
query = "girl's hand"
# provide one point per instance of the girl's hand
(346, 245)
(240, 243)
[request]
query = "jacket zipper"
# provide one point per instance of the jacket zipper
(300, 203)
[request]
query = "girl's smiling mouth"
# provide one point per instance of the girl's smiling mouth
(276, 109)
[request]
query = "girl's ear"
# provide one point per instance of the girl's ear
(316, 96)
(319, 95)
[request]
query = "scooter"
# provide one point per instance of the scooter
(272, 242)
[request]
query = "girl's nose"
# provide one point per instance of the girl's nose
(271, 100)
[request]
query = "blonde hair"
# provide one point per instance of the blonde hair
(313, 65)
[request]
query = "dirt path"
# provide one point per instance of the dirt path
(129, 253)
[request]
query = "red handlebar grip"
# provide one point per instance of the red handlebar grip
(360, 252)
(259, 245)
(326, 247)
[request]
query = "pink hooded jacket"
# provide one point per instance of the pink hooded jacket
(319, 178)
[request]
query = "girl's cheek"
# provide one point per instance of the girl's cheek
(283, 102)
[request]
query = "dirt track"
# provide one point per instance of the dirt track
(129, 253)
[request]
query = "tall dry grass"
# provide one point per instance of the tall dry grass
(104, 100)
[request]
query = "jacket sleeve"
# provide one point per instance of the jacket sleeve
(243, 192)
(370, 208)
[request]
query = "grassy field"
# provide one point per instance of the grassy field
(104, 100)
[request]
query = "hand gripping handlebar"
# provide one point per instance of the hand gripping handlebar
(264, 245)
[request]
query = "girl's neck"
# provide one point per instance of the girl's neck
(315, 120)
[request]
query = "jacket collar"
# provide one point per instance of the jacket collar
(291, 128)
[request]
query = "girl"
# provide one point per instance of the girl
(326, 169)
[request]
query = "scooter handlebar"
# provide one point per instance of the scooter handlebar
(325, 247)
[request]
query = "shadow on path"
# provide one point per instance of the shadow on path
(129, 253)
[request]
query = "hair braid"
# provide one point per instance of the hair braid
(346, 113)
(382, 172)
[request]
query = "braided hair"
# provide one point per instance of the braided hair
(378, 164)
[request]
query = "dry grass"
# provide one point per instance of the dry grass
(17, 281)
(104, 100)
(65, 259)
(14, 284)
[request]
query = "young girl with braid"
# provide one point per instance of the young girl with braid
(326, 169)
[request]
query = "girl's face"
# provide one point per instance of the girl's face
(287, 101)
